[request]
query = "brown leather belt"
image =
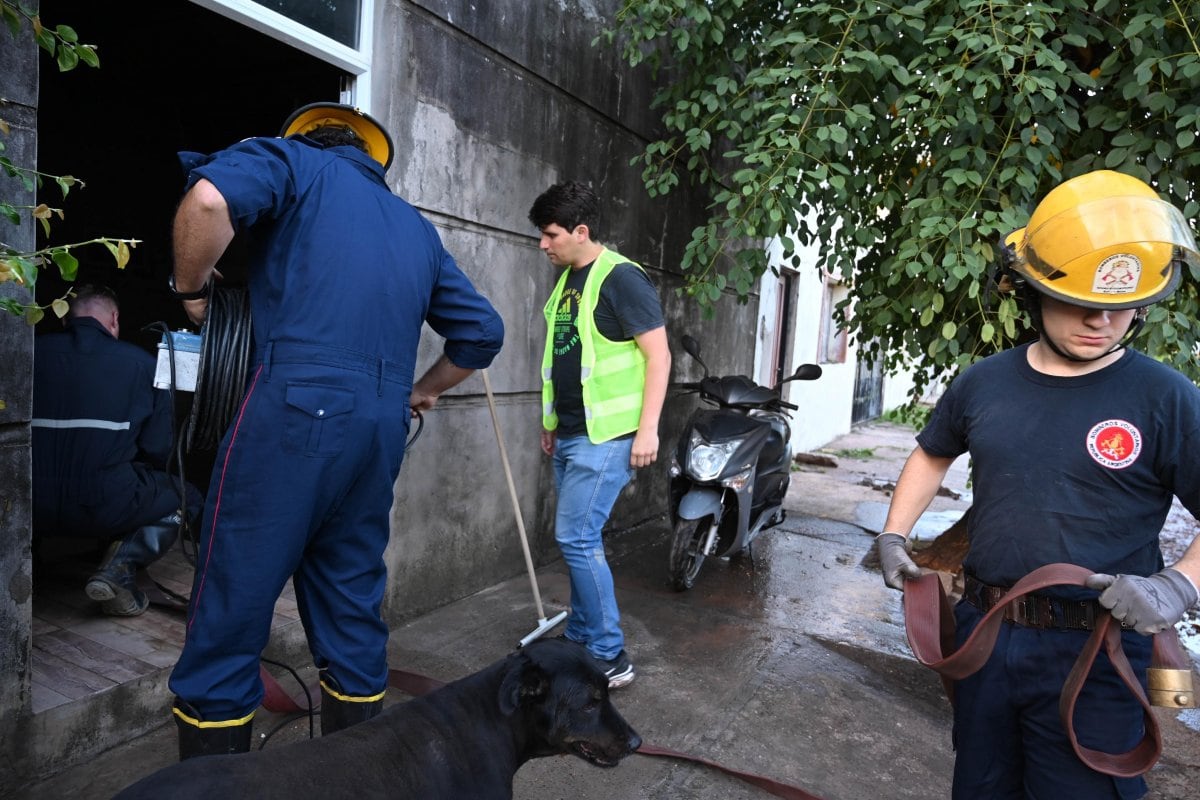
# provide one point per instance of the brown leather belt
(929, 621)
(1033, 610)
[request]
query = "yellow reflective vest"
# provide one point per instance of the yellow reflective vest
(613, 374)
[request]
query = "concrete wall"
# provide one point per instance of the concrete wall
(18, 88)
(489, 104)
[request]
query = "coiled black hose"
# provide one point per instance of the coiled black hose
(225, 347)
(226, 344)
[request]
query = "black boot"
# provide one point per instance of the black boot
(208, 740)
(114, 583)
(341, 711)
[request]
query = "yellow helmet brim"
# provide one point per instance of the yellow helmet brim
(318, 115)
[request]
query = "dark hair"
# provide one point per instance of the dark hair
(567, 204)
(89, 295)
(336, 136)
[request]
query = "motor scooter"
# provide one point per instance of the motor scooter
(731, 468)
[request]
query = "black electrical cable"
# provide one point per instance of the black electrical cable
(186, 534)
(224, 361)
(310, 712)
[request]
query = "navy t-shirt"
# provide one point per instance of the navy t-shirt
(628, 306)
(1069, 469)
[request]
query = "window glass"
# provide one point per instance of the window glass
(337, 19)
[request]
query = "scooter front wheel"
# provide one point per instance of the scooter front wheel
(687, 551)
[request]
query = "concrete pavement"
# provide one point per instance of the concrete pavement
(792, 664)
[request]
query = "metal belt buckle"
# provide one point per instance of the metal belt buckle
(1087, 617)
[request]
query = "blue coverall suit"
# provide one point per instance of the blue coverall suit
(101, 436)
(343, 276)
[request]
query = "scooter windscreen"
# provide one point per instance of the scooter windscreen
(737, 390)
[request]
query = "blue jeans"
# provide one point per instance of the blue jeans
(1009, 740)
(589, 478)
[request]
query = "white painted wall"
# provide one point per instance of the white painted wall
(825, 404)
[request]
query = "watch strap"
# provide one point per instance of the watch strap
(200, 293)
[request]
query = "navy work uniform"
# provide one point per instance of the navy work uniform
(343, 276)
(101, 436)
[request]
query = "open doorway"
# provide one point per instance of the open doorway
(173, 76)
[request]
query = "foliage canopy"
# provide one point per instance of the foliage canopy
(907, 138)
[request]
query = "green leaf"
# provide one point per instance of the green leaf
(67, 264)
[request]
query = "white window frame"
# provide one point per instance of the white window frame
(356, 61)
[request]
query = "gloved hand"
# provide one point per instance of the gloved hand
(1148, 605)
(894, 560)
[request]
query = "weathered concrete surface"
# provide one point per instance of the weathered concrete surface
(793, 665)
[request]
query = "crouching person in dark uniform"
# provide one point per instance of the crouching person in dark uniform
(343, 275)
(101, 440)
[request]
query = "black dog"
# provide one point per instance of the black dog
(464, 741)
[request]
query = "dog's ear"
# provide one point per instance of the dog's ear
(522, 680)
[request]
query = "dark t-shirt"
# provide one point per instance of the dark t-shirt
(628, 306)
(1070, 469)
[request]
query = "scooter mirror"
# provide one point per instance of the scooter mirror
(806, 372)
(691, 346)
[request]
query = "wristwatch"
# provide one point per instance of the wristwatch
(202, 292)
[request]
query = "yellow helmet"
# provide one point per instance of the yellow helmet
(1103, 240)
(319, 115)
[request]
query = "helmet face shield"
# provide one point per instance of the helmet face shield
(1124, 251)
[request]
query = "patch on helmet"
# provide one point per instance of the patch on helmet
(1117, 274)
(1114, 443)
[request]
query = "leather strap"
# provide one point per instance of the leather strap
(930, 625)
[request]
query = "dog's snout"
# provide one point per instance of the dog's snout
(635, 741)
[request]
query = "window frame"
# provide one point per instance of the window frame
(355, 61)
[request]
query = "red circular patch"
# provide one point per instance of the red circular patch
(1114, 443)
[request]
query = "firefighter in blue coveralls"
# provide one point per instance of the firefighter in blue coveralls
(101, 439)
(343, 275)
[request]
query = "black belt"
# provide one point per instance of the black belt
(1033, 610)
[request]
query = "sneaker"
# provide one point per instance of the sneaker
(116, 600)
(619, 670)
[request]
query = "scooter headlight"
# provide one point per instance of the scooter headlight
(705, 460)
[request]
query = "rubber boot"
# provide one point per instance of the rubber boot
(197, 739)
(340, 711)
(114, 583)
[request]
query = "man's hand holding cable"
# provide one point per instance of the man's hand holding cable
(1146, 604)
(894, 560)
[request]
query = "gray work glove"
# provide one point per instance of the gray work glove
(1148, 605)
(894, 560)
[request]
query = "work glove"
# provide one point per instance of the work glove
(1148, 605)
(894, 560)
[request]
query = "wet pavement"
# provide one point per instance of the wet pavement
(791, 664)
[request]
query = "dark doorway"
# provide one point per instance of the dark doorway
(173, 76)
